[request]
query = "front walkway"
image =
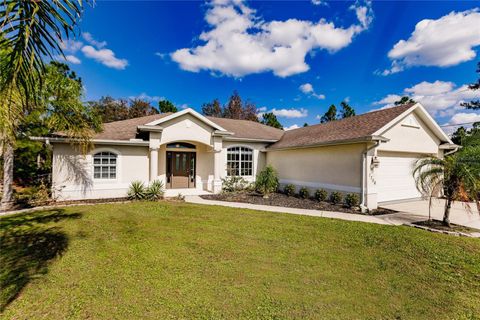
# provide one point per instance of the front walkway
(408, 212)
(307, 212)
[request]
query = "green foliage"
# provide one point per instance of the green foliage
(336, 197)
(305, 124)
(321, 195)
(464, 137)
(330, 115)
(473, 104)
(166, 106)
(267, 181)
(34, 196)
(212, 109)
(304, 193)
(136, 191)
(289, 190)
(271, 120)
(404, 100)
(32, 32)
(234, 109)
(155, 191)
(352, 200)
(347, 110)
(234, 184)
(457, 177)
(141, 108)
(110, 109)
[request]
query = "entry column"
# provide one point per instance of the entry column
(153, 163)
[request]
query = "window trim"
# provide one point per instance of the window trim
(240, 161)
(117, 167)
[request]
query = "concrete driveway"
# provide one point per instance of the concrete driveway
(461, 213)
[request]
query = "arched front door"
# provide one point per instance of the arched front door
(180, 167)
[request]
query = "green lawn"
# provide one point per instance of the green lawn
(176, 260)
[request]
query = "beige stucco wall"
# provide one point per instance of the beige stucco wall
(329, 167)
(72, 173)
(406, 138)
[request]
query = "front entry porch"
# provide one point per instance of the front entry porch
(181, 168)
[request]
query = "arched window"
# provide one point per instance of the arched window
(105, 165)
(239, 161)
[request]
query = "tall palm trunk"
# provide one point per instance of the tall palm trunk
(446, 214)
(7, 197)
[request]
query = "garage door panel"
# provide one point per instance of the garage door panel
(395, 179)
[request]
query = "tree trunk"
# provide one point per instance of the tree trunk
(446, 215)
(7, 197)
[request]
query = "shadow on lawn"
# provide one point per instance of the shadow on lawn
(28, 242)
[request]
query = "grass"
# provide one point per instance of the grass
(176, 260)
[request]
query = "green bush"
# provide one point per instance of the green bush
(155, 191)
(303, 193)
(321, 195)
(267, 181)
(352, 200)
(136, 191)
(336, 197)
(289, 190)
(34, 196)
(234, 183)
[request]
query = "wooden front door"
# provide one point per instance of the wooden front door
(180, 169)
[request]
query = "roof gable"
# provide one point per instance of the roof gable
(184, 112)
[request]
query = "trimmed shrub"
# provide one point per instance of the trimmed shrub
(267, 181)
(136, 191)
(352, 200)
(321, 195)
(289, 190)
(335, 197)
(303, 193)
(155, 191)
(233, 183)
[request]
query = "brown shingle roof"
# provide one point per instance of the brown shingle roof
(346, 129)
(248, 129)
(361, 126)
(126, 129)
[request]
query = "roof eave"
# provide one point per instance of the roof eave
(335, 142)
(132, 142)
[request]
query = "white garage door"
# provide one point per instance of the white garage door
(394, 177)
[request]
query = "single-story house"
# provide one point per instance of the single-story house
(370, 154)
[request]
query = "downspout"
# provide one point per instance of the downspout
(364, 161)
(450, 152)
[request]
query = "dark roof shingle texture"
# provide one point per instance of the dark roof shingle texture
(356, 127)
(346, 129)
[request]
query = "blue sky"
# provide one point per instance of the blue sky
(295, 58)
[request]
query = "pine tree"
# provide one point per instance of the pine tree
(330, 115)
(347, 110)
(212, 109)
(271, 120)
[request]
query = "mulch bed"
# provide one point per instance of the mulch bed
(438, 225)
(282, 200)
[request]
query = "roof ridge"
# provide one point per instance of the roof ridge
(138, 118)
(353, 117)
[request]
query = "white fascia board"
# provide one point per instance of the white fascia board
(185, 111)
(94, 141)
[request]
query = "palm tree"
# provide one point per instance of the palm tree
(31, 32)
(457, 176)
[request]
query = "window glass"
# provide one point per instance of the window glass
(105, 165)
(239, 161)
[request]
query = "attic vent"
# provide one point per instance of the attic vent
(410, 121)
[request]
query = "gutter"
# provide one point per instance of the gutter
(133, 142)
(333, 143)
(364, 171)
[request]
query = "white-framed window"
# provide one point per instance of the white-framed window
(105, 165)
(239, 161)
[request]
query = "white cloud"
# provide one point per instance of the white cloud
(89, 38)
(240, 42)
(444, 42)
(307, 88)
(105, 56)
(71, 46)
(460, 118)
(144, 96)
(293, 126)
(67, 58)
(290, 113)
(439, 98)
